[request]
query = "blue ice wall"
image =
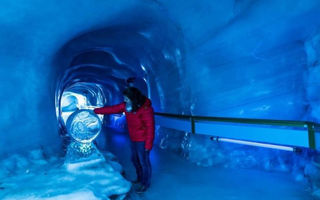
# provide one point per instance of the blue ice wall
(255, 65)
(31, 33)
(242, 58)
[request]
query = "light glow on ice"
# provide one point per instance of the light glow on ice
(84, 126)
(272, 146)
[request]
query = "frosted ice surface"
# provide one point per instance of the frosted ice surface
(84, 126)
(78, 195)
(31, 180)
(69, 103)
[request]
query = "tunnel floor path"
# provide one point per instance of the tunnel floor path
(174, 178)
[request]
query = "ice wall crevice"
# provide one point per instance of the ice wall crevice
(148, 51)
(147, 56)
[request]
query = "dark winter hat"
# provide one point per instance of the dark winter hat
(136, 97)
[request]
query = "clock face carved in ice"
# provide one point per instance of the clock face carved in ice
(84, 126)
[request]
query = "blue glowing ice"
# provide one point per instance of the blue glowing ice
(69, 103)
(84, 126)
(247, 59)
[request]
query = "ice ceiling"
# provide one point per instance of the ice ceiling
(233, 58)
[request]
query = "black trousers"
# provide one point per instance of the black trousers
(141, 161)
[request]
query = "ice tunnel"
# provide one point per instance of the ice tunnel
(234, 86)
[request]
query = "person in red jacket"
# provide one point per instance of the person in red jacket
(140, 120)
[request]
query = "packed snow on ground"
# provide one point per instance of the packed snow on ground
(33, 176)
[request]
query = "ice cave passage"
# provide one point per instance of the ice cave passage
(234, 86)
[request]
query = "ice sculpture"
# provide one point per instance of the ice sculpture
(83, 126)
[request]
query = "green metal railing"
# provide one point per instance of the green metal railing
(311, 126)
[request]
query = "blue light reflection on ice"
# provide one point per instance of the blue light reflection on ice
(84, 126)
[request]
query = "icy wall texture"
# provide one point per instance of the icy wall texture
(254, 66)
(218, 58)
(312, 79)
(31, 34)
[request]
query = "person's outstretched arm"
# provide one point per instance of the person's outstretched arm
(148, 120)
(119, 108)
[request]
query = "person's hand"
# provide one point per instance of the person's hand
(91, 107)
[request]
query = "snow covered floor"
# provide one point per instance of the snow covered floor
(34, 177)
(174, 178)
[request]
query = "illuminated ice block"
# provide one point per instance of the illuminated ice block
(84, 126)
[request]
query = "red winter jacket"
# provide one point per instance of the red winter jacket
(140, 123)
